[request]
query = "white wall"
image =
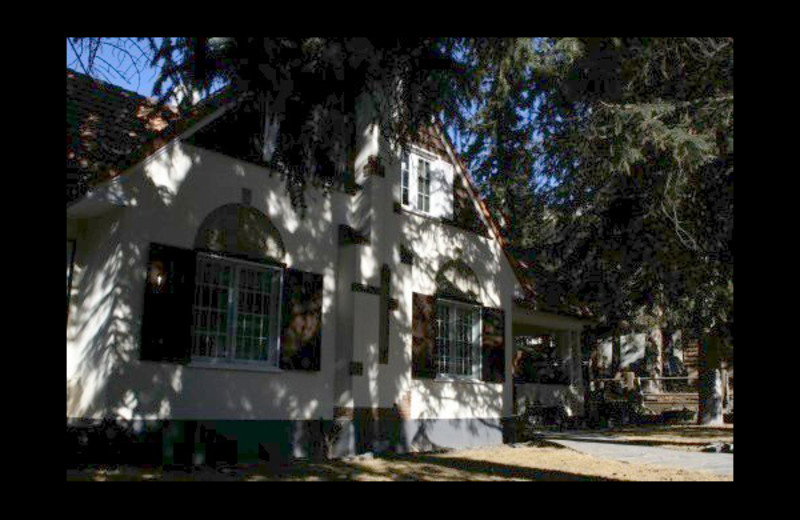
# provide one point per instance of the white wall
(433, 245)
(169, 196)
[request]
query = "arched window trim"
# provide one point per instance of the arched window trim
(201, 242)
(452, 293)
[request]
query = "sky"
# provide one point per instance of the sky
(141, 83)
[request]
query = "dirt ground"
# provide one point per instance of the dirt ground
(677, 437)
(529, 462)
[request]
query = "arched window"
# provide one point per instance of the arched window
(453, 334)
(237, 299)
(230, 301)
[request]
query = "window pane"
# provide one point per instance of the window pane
(423, 185)
(253, 332)
(443, 337)
(456, 338)
(254, 311)
(209, 325)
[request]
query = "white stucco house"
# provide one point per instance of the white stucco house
(204, 311)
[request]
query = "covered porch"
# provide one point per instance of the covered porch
(546, 361)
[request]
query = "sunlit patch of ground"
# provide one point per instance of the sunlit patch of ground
(678, 437)
(526, 463)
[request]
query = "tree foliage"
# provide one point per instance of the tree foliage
(637, 136)
(612, 158)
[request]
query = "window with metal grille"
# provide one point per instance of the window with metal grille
(405, 165)
(236, 311)
(458, 338)
(423, 185)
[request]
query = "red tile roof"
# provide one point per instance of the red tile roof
(109, 129)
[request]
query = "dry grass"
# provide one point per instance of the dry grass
(504, 463)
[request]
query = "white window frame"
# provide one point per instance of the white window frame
(477, 339)
(414, 155)
(230, 360)
(405, 178)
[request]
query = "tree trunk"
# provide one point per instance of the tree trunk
(710, 384)
(655, 359)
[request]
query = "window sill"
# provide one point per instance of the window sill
(238, 367)
(413, 211)
(456, 379)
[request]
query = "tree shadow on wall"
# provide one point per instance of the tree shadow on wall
(128, 397)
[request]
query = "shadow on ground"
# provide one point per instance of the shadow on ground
(415, 467)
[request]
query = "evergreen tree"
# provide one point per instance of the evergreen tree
(639, 134)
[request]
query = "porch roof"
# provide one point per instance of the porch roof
(526, 321)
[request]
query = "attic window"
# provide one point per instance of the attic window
(417, 172)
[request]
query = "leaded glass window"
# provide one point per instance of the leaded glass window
(236, 308)
(458, 332)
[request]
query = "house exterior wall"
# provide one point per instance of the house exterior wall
(170, 201)
(169, 195)
(433, 244)
(93, 319)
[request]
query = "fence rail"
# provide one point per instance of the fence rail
(643, 378)
(671, 384)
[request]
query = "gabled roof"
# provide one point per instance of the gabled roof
(109, 129)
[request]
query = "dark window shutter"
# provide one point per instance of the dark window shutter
(423, 329)
(493, 346)
(168, 297)
(301, 334)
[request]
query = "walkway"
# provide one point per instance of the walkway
(608, 447)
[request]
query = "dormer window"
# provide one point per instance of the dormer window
(426, 183)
